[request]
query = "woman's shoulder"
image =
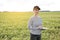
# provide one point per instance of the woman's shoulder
(32, 18)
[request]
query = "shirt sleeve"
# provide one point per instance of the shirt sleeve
(41, 24)
(30, 24)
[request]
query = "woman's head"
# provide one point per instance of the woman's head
(36, 9)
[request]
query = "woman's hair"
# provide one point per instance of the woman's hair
(36, 7)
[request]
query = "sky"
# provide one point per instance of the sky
(27, 5)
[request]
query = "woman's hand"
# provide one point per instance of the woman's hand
(40, 27)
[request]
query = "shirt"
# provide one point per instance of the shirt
(33, 24)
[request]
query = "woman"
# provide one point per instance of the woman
(35, 24)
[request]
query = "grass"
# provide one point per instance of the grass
(13, 25)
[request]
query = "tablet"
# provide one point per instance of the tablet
(44, 28)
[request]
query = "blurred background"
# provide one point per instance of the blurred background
(14, 16)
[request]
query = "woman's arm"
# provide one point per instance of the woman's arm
(30, 23)
(40, 26)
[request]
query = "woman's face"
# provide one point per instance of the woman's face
(36, 11)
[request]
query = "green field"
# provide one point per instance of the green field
(13, 25)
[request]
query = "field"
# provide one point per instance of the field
(13, 25)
